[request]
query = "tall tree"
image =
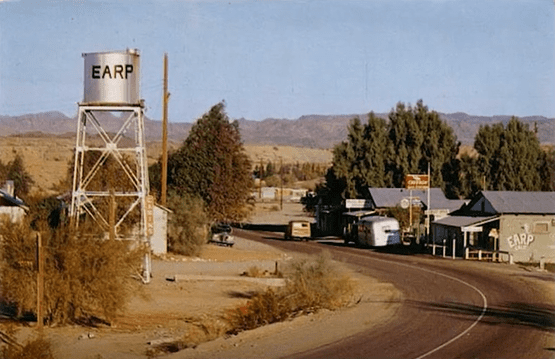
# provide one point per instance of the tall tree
(213, 165)
(510, 157)
(418, 137)
(359, 161)
(547, 170)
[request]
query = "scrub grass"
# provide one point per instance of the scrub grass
(87, 279)
(311, 285)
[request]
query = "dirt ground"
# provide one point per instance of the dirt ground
(47, 157)
(186, 291)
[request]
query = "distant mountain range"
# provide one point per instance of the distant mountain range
(314, 131)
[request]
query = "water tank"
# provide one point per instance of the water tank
(112, 78)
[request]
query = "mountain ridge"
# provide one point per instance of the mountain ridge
(314, 131)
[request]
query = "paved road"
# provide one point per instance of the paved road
(450, 309)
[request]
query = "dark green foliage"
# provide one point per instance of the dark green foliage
(360, 161)
(417, 137)
(547, 170)
(213, 165)
(15, 171)
(377, 154)
(470, 179)
(510, 158)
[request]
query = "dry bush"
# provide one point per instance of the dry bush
(202, 330)
(311, 285)
(255, 272)
(86, 277)
(319, 283)
(38, 348)
(187, 225)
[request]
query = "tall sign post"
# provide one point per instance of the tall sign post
(416, 182)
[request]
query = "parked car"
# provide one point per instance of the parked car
(221, 234)
(298, 230)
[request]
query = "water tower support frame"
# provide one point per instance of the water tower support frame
(83, 199)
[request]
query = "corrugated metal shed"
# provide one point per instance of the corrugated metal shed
(391, 197)
(514, 202)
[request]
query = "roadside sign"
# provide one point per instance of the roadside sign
(417, 182)
(357, 203)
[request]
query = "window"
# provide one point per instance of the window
(541, 227)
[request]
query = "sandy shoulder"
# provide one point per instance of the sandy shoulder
(168, 310)
(378, 304)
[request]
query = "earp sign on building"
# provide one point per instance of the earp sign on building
(416, 181)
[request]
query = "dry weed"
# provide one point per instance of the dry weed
(311, 285)
(36, 348)
(86, 277)
(202, 330)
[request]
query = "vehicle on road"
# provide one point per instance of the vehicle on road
(298, 230)
(221, 235)
(376, 231)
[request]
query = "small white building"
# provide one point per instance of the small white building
(11, 207)
(159, 239)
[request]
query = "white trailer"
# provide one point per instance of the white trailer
(378, 232)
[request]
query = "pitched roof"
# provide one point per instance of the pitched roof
(392, 197)
(514, 202)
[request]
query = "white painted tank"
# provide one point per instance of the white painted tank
(112, 78)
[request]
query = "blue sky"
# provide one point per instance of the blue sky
(285, 59)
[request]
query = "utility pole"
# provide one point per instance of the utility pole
(40, 282)
(260, 175)
(281, 184)
(165, 97)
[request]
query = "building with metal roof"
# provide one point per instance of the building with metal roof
(392, 197)
(521, 224)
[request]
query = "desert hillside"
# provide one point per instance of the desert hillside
(47, 158)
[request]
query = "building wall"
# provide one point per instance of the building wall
(528, 237)
(159, 240)
(14, 214)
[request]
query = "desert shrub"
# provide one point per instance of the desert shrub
(201, 330)
(38, 348)
(317, 283)
(273, 181)
(187, 225)
(311, 285)
(86, 277)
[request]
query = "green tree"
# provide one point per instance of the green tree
(418, 137)
(212, 164)
(15, 171)
(510, 157)
(470, 180)
(547, 170)
(359, 161)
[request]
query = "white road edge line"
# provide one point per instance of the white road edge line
(484, 309)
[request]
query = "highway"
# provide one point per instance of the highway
(450, 308)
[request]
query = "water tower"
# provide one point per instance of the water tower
(110, 174)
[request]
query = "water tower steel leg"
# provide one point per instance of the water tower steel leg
(83, 198)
